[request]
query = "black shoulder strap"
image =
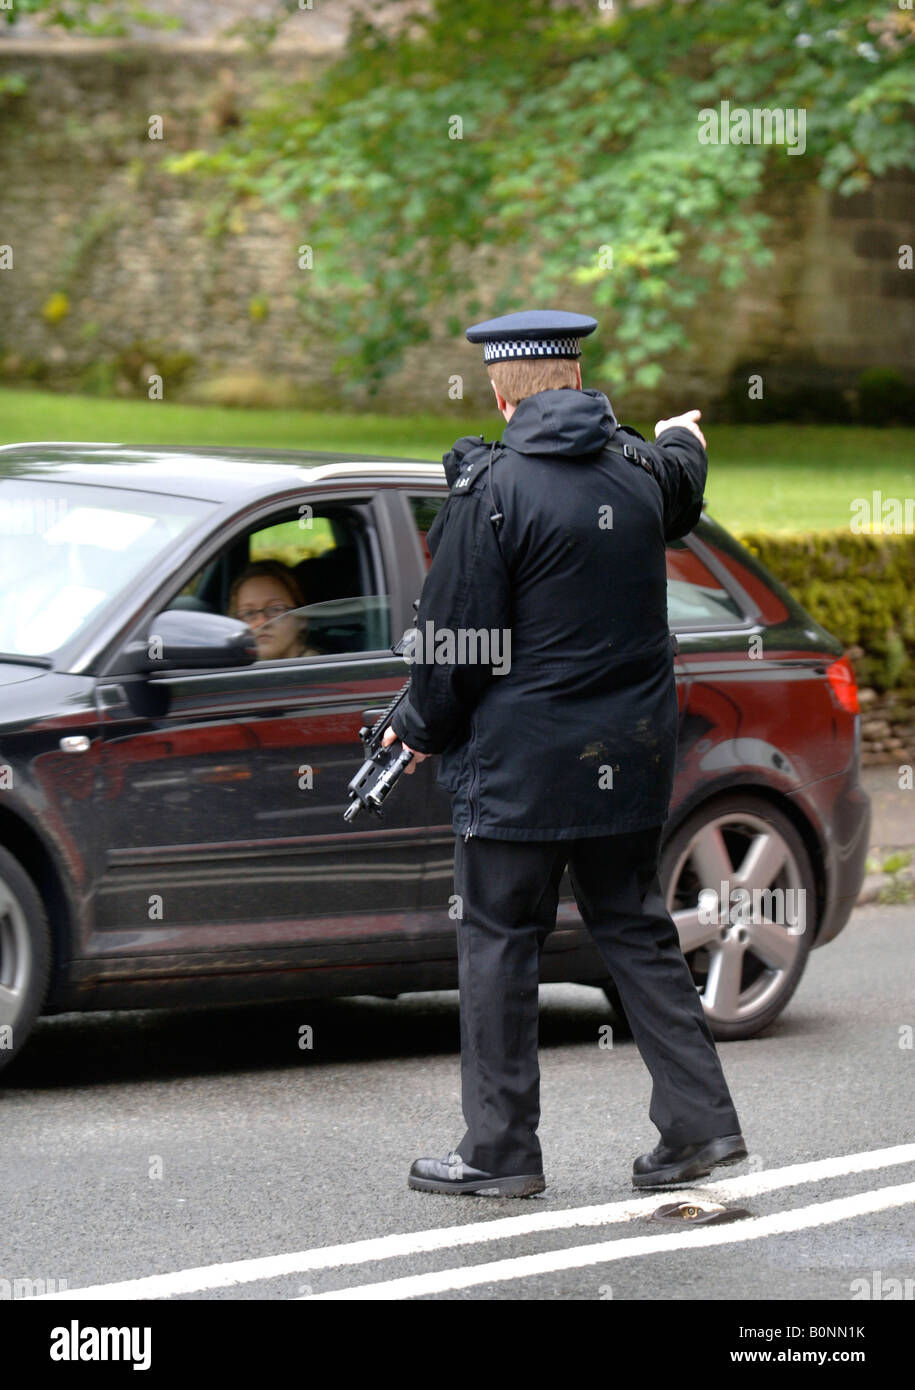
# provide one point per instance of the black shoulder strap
(472, 470)
(634, 455)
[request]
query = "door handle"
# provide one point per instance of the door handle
(78, 743)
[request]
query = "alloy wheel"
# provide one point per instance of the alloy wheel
(737, 895)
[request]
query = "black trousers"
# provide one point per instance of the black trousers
(509, 893)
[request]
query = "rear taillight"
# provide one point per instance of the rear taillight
(844, 686)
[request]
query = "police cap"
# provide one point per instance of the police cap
(534, 333)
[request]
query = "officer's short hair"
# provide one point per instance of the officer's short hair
(518, 378)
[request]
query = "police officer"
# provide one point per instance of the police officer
(551, 545)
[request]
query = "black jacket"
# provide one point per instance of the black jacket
(578, 736)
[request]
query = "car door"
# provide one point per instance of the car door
(222, 796)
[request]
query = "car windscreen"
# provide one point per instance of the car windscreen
(68, 549)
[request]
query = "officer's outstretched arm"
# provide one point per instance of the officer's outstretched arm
(682, 473)
(467, 592)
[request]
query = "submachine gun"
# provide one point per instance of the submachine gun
(382, 769)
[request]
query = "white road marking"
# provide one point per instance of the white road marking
(221, 1276)
(819, 1170)
(579, 1257)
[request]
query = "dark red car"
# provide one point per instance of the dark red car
(171, 806)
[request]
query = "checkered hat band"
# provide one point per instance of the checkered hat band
(544, 347)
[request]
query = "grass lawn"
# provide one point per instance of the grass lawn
(761, 477)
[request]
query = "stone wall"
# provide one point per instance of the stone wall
(119, 267)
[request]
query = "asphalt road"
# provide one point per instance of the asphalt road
(153, 1144)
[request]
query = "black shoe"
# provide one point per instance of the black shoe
(664, 1166)
(451, 1174)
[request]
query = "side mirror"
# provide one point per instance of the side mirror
(182, 639)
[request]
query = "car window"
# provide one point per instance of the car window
(303, 538)
(339, 625)
(303, 581)
(425, 510)
(69, 549)
(695, 597)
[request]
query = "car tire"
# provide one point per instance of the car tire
(25, 956)
(746, 964)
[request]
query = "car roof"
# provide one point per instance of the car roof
(207, 473)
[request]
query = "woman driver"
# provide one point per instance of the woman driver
(261, 597)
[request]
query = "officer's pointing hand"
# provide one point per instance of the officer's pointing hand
(685, 422)
(390, 737)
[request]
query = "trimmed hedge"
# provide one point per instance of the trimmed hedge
(803, 390)
(860, 587)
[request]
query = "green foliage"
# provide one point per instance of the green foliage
(94, 18)
(796, 388)
(901, 886)
(578, 135)
(125, 370)
(99, 378)
(13, 84)
(100, 19)
(85, 238)
(885, 397)
(859, 587)
(14, 367)
(900, 889)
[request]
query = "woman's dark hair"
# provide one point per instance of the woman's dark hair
(269, 569)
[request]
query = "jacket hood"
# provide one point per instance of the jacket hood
(561, 423)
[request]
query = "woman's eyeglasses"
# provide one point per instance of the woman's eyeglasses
(273, 610)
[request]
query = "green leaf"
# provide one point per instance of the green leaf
(577, 133)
